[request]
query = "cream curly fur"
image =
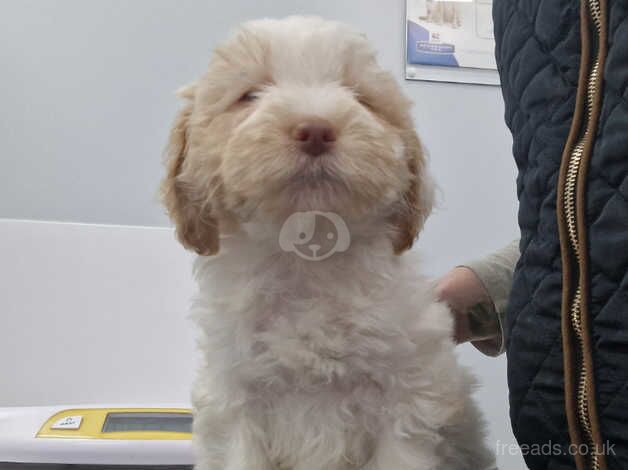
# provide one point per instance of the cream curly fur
(339, 364)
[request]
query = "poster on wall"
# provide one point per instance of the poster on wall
(450, 41)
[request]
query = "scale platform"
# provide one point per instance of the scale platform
(95, 437)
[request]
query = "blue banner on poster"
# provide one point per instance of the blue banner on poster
(450, 33)
(422, 51)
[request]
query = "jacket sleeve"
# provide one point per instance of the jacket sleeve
(495, 271)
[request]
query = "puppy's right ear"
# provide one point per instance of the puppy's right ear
(187, 203)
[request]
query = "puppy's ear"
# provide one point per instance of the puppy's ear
(416, 203)
(187, 203)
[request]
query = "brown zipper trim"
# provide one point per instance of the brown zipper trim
(569, 353)
(580, 403)
(583, 237)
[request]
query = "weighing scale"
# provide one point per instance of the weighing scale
(95, 437)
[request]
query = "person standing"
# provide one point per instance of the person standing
(557, 300)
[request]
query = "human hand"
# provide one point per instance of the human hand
(470, 304)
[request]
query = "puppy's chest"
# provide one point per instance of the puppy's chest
(316, 382)
(323, 343)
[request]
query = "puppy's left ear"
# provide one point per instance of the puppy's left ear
(418, 199)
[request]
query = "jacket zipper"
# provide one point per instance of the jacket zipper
(570, 208)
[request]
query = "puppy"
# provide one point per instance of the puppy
(443, 13)
(295, 144)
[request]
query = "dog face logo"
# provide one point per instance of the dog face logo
(314, 235)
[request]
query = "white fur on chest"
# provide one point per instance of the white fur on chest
(317, 323)
(317, 362)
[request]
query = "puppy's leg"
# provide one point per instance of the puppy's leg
(246, 451)
(464, 443)
(228, 441)
(403, 452)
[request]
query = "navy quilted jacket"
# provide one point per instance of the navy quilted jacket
(564, 72)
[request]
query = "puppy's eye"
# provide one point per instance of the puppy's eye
(249, 96)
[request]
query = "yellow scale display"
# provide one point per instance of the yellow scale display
(119, 423)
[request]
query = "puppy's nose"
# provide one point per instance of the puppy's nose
(315, 136)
